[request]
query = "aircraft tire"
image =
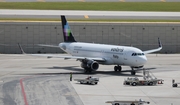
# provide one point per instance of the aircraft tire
(134, 84)
(119, 68)
(116, 104)
(133, 73)
(87, 70)
(150, 83)
(115, 68)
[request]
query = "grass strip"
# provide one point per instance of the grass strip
(103, 6)
(83, 20)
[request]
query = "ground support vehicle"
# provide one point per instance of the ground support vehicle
(140, 102)
(174, 84)
(135, 81)
(88, 80)
(148, 79)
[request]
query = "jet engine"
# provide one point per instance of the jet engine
(92, 65)
(138, 67)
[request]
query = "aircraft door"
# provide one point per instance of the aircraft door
(125, 57)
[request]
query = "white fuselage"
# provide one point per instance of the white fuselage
(114, 55)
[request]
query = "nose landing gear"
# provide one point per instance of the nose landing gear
(117, 68)
(133, 72)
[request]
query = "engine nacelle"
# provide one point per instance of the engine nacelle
(93, 65)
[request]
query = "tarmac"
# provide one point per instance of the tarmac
(27, 80)
(89, 0)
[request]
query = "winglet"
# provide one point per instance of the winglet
(159, 41)
(154, 50)
(22, 51)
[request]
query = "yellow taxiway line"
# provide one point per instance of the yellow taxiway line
(86, 16)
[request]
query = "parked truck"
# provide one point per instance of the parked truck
(119, 102)
(148, 79)
(88, 80)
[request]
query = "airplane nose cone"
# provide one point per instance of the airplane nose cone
(143, 59)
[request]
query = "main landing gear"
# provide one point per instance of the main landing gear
(87, 70)
(117, 68)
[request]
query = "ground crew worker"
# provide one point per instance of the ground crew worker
(173, 81)
(71, 76)
(132, 103)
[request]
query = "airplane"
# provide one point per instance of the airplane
(91, 54)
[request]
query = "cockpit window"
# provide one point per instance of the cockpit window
(137, 54)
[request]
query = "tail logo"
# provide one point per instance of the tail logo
(68, 37)
(67, 31)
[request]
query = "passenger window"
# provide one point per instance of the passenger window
(137, 54)
(132, 54)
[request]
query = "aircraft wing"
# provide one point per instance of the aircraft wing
(154, 50)
(48, 45)
(69, 57)
(65, 57)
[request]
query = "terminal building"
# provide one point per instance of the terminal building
(140, 35)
